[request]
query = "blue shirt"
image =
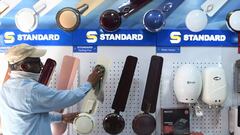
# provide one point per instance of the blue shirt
(25, 105)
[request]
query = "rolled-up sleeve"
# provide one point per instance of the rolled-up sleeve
(55, 117)
(45, 99)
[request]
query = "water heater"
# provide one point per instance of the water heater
(214, 86)
(187, 84)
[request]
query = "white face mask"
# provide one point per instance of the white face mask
(22, 74)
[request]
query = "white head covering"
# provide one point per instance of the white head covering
(20, 52)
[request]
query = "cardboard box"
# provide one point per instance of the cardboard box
(175, 121)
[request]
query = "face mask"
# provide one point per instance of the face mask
(22, 74)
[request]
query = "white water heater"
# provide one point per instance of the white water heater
(187, 84)
(214, 86)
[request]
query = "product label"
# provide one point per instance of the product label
(168, 49)
(85, 49)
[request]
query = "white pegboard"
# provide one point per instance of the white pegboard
(213, 123)
(110, 88)
(117, 56)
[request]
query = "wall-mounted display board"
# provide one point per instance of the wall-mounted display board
(211, 44)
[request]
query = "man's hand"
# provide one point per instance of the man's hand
(69, 117)
(95, 76)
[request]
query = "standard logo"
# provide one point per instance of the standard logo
(175, 37)
(9, 37)
(91, 36)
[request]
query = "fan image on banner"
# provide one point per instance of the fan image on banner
(69, 19)
(155, 19)
(197, 20)
(110, 20)
(233, 21)
(27, 19)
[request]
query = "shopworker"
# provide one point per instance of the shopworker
(25, 104)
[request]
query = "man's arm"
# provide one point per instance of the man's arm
(55, 117)
(45, 99)
(66, 118)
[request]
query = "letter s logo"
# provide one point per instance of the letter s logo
(9, 37)
(91, 36)
(175, 37)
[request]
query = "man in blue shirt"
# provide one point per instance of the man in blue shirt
(25, 104)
